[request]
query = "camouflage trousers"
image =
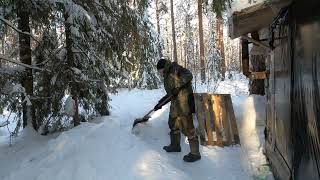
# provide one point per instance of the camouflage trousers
(182, 124)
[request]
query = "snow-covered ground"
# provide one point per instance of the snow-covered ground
(106, 148)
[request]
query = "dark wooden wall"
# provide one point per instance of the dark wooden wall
(293, 108)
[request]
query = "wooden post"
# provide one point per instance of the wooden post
(245, 57)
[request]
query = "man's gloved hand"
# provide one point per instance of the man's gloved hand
(163, 98)
(163, 101)
(175, 91)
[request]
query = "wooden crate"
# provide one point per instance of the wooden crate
(216, 118)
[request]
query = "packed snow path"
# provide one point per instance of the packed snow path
(107, 149)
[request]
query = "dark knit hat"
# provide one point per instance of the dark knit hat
(161, 63)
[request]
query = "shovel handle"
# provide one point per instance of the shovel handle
(161, 104)
(148, 113)
(146, 117)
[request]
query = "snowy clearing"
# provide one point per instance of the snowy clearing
(106, 148)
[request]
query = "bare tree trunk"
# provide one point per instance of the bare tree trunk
(71, 63)
(175, 56)
(167, 38)
(158, 16)
(2, 46)
(185, 56)
(220, 46)
(240, 55)
(196, 59)
(25, 57)
(3, 39)
(181, 52)
(195, 70)
(201, 44)
(158, 25)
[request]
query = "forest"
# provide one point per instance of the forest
(61, 53)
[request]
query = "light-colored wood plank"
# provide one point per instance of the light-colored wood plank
(215, 99)
(229, 111)
(225, 120)
(207, 102)
(258, 75)
(200, 117)
(233, 121)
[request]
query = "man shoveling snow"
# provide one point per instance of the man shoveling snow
(178, 85)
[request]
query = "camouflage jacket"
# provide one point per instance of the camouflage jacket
(175, 76)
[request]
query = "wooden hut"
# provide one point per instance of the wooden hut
(285, 37)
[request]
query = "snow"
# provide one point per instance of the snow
(69, 106)
(9, 123)
(5, 123)
(237, 5)
(106, 148)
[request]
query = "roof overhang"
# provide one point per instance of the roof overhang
(255, 17)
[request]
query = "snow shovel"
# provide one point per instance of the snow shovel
(146, 117)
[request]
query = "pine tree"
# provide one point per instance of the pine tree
(25, 57)
(85, 50)
(189, 41)
(213, 57)
(218, 7)
(220, 46)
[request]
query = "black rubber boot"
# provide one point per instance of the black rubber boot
(191, 157)
(175, 143)
(194, 154)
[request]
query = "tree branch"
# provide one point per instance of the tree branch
(16, 29)
(2, 57)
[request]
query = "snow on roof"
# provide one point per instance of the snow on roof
(255, 17)
(238, 5)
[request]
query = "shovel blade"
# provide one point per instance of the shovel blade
(140, 120)
(136, 130)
